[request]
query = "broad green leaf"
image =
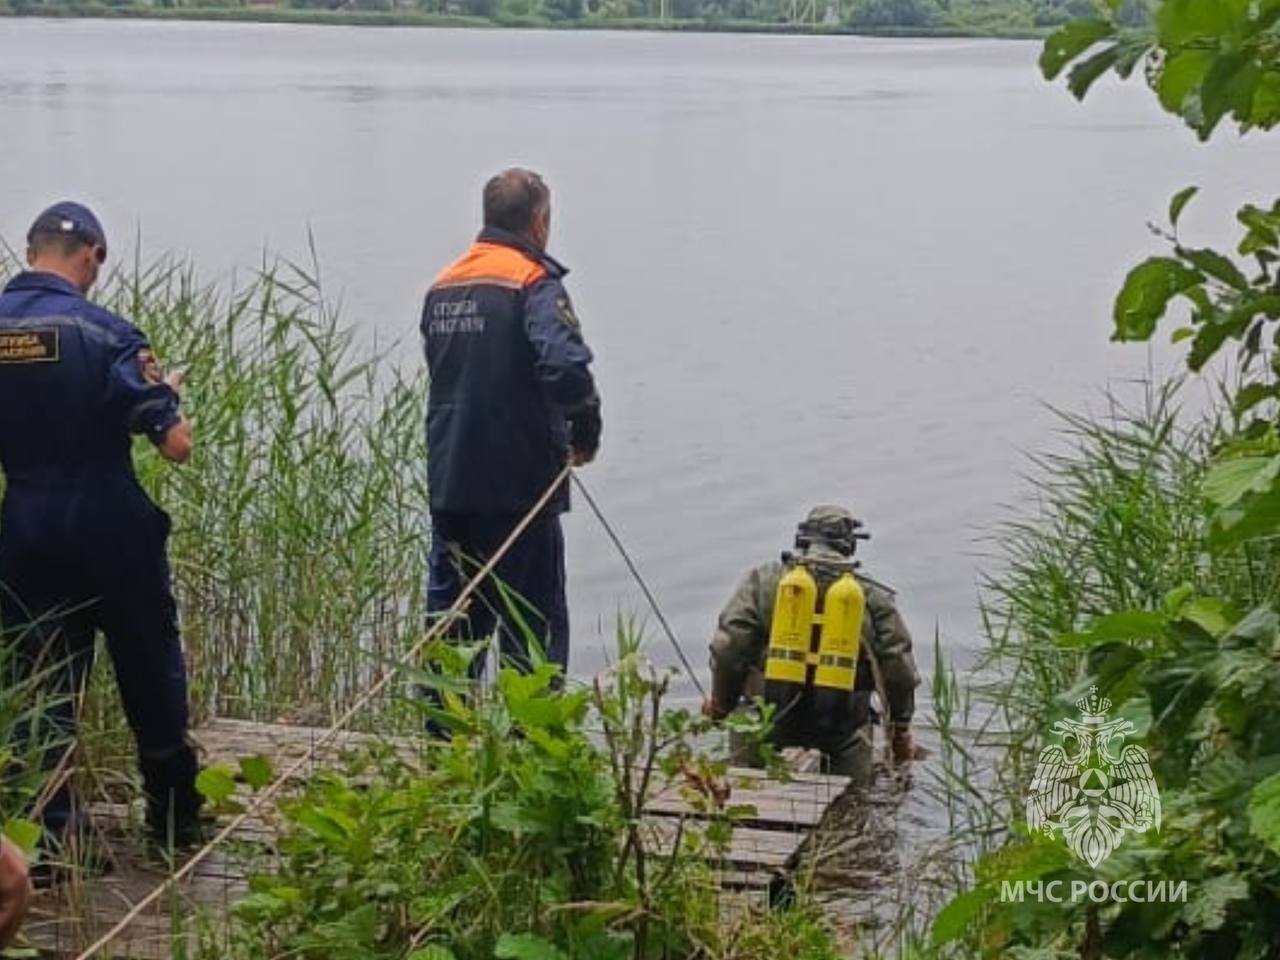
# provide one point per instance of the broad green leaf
(1125, 625)
(1253, 517)
(256, 771)
(1208, 341)
(1085, 73)
(604, 945)
(1179, 201)
(1207, 907)
(1146, 293)
(1262, 225)
(1208, 613)
(24, 833)
(1228, 88)
(1179, 21)
(432, 952)
(1181, 75)
(1252, 394)
(953, 919)
(1218, 329)
(1068, 42)
(526, 946)
(1266, 101)
(217, 784)
(1129, 53)
(1264, 812)
(325, 825)
(510, 817)
(1118, 668)
(1215, 265)
(1228, 481)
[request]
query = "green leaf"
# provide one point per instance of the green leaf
(432, 952)
(1086, 73)
(1264, 229)
(1065, 44)
(1228, 88)
(256, 771)
(1179, 21)
(1181, 76)
(953, 919)
(1253, 517)
(511, 817)
(217, 784)
(1264, 812)
(1207, 909)
(24, 833)
(1209, 614)
(1146, 293)
(1214, 264)
(526, 946)
(1128, 625)
(1117, 668)
(1125, 626)
(1179, 201)
(1228, 481)
(1265, 112)
(1129, 53)
(326, 825)
(1208, 341)
(1252, 394)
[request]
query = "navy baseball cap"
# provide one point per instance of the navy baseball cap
(72, 218)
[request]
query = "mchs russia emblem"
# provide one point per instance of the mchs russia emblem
(1091, 786)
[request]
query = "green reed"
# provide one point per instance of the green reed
(1110, 518)
(299, 524)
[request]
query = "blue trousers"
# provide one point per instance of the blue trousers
(77, 561)
(524, 596)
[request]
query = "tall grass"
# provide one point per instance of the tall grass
(1113, 521)
(299, 524)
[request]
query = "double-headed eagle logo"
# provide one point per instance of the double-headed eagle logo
(1083, 789)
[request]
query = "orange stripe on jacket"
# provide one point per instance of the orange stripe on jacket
(491, 263)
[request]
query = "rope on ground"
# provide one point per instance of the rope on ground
(259, 799)
(644, 587)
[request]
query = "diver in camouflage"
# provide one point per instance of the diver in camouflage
(826, 542)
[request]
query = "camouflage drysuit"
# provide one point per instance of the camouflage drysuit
(742, 638)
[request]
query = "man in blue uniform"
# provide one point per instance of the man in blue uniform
(82, 547)
(511, 401)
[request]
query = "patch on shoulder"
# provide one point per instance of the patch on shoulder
(564, 310)
(29, 346)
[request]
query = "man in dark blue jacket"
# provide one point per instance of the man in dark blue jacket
(82, 547)
(511, 401)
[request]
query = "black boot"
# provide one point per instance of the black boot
(173, 803)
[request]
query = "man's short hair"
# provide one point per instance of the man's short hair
(41, 242)
(513, 198)
(66, 228)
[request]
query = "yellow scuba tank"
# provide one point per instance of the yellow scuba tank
(843, 607)
(786, 669)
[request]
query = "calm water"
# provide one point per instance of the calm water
(812, 269)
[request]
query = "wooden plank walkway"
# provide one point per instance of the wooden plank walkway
(764, 848)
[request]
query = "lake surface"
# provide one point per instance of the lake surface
(812, 269)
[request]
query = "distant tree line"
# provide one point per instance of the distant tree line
(961, 16)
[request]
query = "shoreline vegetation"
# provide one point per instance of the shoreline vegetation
(990, 19)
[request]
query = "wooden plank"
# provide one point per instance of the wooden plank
(761, 850)
(748, 848)
(772, 813)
